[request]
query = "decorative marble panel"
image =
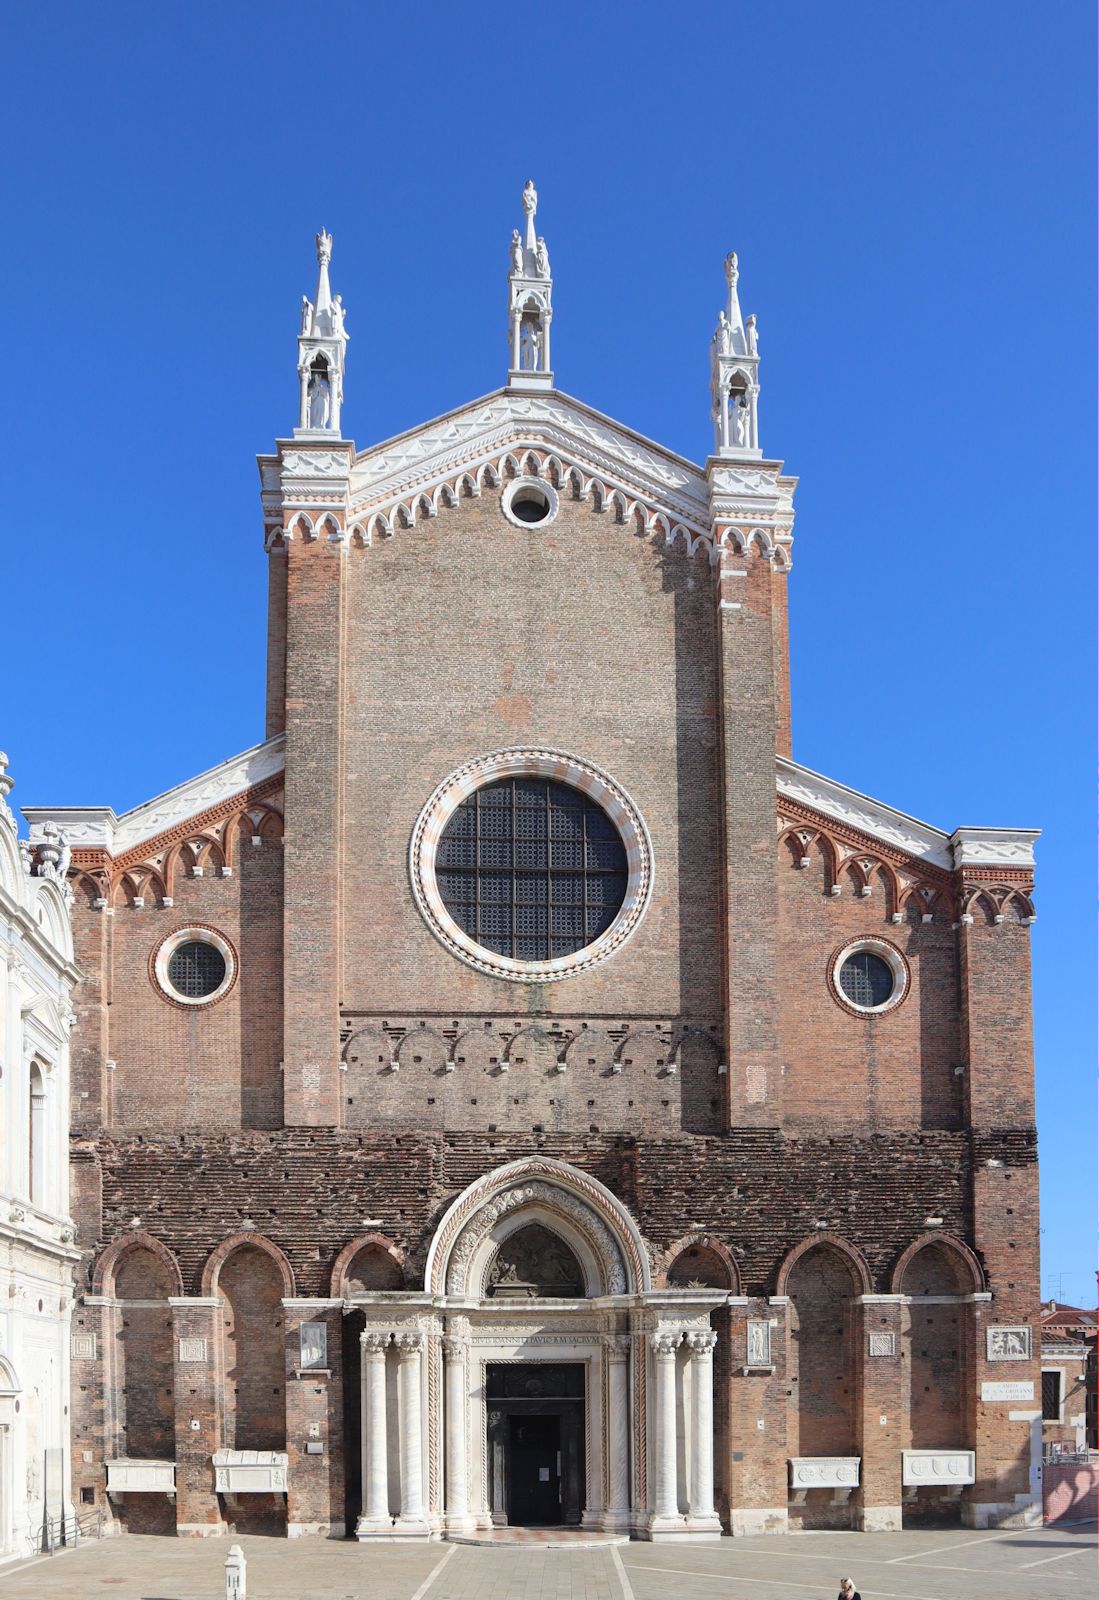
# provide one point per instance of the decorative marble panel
(250, 1471)
(192, 1350)
(83, 1347)
(824, 1472)
(131, 1476)
(759, 1344)
(882, 1344)
(1008, 1344)
(952, 1467)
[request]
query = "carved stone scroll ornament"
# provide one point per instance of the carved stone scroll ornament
(485, 1219)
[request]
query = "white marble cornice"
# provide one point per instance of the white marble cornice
(892, 827)
(90, 827)
(415, 460)
(994, 847)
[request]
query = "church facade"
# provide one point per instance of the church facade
(515, 1091)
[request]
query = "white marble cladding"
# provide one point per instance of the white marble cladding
(132, 1476)
(824, 1472)
(921, 1468)
(88, 827)
(994, 847)
(760, 495)
(250, 1471)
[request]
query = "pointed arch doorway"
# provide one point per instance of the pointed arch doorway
(531, 1378)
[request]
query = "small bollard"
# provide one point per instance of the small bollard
(236, 1569)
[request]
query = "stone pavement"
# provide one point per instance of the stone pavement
(959, 1564)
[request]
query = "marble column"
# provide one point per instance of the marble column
(702, 1516)
(665, 1499)
(410, 1345)
(375, 1518)
(616, 1431)
(457, 1461)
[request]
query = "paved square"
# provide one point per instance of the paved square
(1031, 1564)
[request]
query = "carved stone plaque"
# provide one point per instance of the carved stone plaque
(1007, 1391)
(1007, 1344)
(882, 1344)
(83, 1346)
(759, 1344)
(314, 1345)
(192, 1350)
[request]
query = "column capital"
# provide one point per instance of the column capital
(702, 1343)
(666, 1342)
(454, 1349)
(409, 1342)
(373, 1342)
(616, 1346)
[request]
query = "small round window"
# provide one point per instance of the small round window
(195, 969)
(194, 966)
(529, 502)
(869, 976)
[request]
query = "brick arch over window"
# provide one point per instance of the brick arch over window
(370, 1262)
(211, 1272)
(970, 1278)
(105, 1275)
(855, 1260)
(700, 1258)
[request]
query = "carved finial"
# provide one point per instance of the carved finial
(6, 783)
(734, 373)
(322, 341)
(530, 206)
(530, 290)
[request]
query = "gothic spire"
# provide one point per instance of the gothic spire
(530, 303)
(322, 344)
(734, 375)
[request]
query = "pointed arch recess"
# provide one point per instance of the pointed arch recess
(953, 1246)
(221, 1253)
(854, 1258)
(106, 1268)
(520, 1185)
(364, 1241)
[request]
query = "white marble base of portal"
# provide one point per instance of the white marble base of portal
(765, 1520)
(678, 1530)
(376, 1531)
(1023, 1512)
(878, 1519)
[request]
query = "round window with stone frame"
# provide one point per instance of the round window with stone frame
(529, 502)
(868, 977)
(531, 865)
(194, 966)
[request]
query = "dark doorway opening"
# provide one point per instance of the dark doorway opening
(536, 1443)
(534, 1472)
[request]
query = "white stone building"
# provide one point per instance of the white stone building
(37, 1252)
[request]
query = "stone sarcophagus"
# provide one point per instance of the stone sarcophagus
(250, 1471)
(950, 1469)
(131, 1476)
(838, 1473)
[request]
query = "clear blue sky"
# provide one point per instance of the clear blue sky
(910, 188)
